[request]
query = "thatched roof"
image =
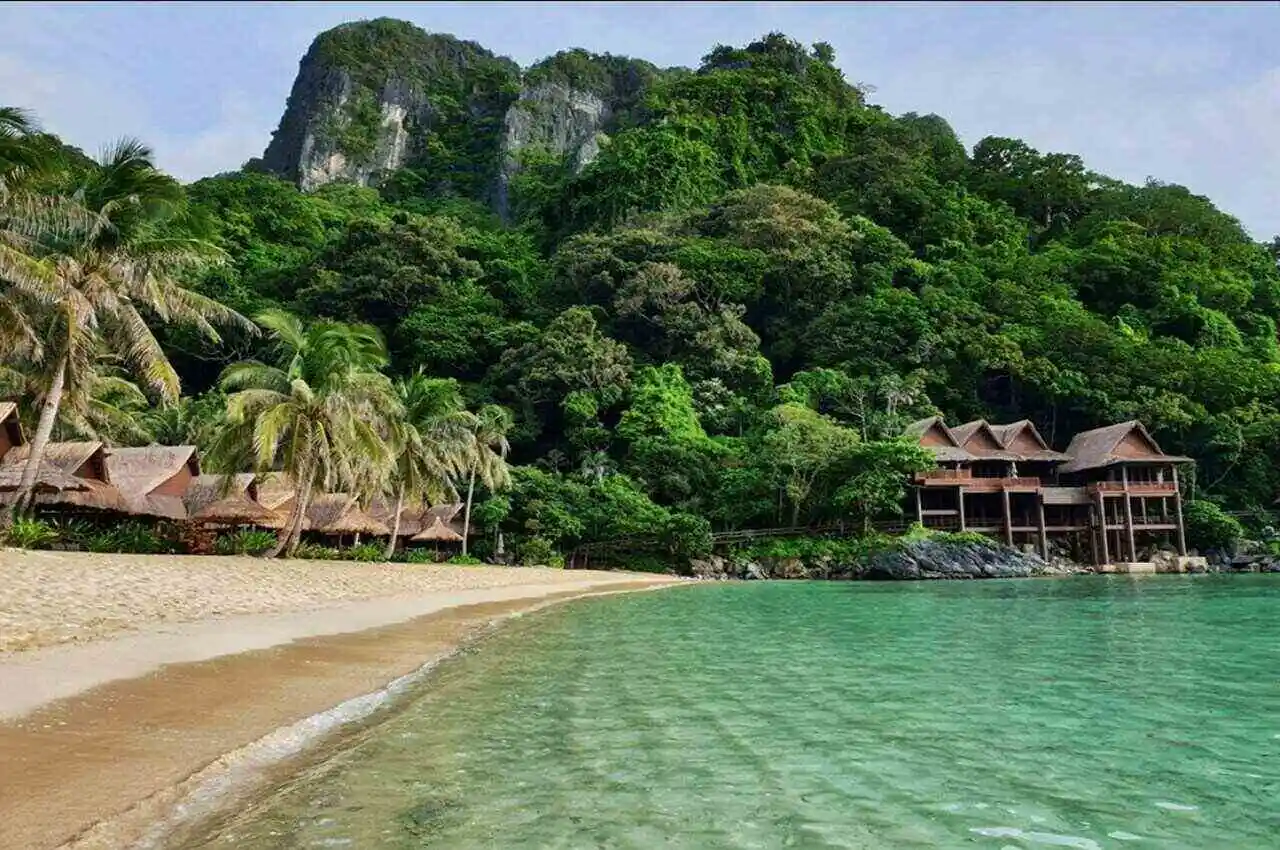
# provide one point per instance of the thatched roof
(56, 481)
(979, 440)
(416, 517)
(276, 489)
(136, 472)
(9, 420)
(66, 457)
(338, 513)
(1024, 438)
(949, 451)
(226, 500)
(1125, 442)
(438, 532)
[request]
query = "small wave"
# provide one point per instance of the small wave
(1120, 835)
(1177, 807)
(1048, 838)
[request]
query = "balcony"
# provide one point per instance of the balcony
(1134, 488)
(943, 477)
(995, 485)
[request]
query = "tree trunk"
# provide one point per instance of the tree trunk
(287, 543)
(44, 429)
(395, 524)
(466, 512)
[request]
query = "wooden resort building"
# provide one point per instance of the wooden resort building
(154, 480)
(1112, 494)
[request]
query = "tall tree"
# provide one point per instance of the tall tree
(109, 278)
(488, 460)
(318, 412)
(433, 441)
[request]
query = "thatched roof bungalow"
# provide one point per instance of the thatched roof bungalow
(228, 500)
(437, 532)
(417, 517)
(71, 475)
(10, 427)
(154, 479)
(339, 514)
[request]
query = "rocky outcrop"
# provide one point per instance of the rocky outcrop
(907, 560)
(376, 96)
(553, 120)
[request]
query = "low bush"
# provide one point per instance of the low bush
(316, 552)
(538, 552)
(364, 553)
(245, 542)
(132, 537)
(30, 534)
(416, 556)
(464, 560)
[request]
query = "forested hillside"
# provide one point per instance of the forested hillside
(719, 300)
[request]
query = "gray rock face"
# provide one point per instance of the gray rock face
(928, 559)
(913, 561)
(554, 119)
(306, 148)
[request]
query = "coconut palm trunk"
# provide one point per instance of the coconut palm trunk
(40, 440)
(395, 524)
(295, 530)
(466, 511)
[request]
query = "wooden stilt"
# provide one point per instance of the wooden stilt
(1044, 538)
(1008, 518)
(1128, 514)
(1177, 507)
(960, 498)
(1102, 526)
(919, 507)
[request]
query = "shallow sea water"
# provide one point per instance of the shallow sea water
(1087, 713)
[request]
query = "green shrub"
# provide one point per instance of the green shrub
(364, 553)
(30, 534)
(132, 537)
(1209, 527)
(246, 541)
(316, 552)
(538, 552)
(72, 533)
(419, 556)
(464, 560)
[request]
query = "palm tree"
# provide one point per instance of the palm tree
(433, 441)
(488, 460)
(107, 277)
(318, 413)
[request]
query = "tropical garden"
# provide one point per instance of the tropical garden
(734, 339)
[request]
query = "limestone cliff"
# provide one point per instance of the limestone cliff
(375, 97)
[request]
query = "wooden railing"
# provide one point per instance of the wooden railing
(1135, 488)
(997, 484)
(943, 475)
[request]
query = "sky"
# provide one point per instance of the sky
(1186, 93)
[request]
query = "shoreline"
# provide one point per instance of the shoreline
(102, 766)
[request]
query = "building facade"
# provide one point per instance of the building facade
(1110, 496)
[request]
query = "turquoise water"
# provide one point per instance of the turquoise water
(1087, 712)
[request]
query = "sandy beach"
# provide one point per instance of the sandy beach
(129, 678)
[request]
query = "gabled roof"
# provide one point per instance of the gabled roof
(1024, 430)
(1102, 447)
(56, 482)
(65, 457)
(950, 452)
(227, 500)
(978, 439)
(275, 489)
(414, 517)
(438, 532)
(338, 513)
(138, 471)
(9, 420)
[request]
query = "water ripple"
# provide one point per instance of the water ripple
(1079, 713)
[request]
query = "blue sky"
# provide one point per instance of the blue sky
(1187, 93)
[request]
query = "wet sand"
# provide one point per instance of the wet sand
(97, 766)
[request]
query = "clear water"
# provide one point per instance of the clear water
(1088, 712)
